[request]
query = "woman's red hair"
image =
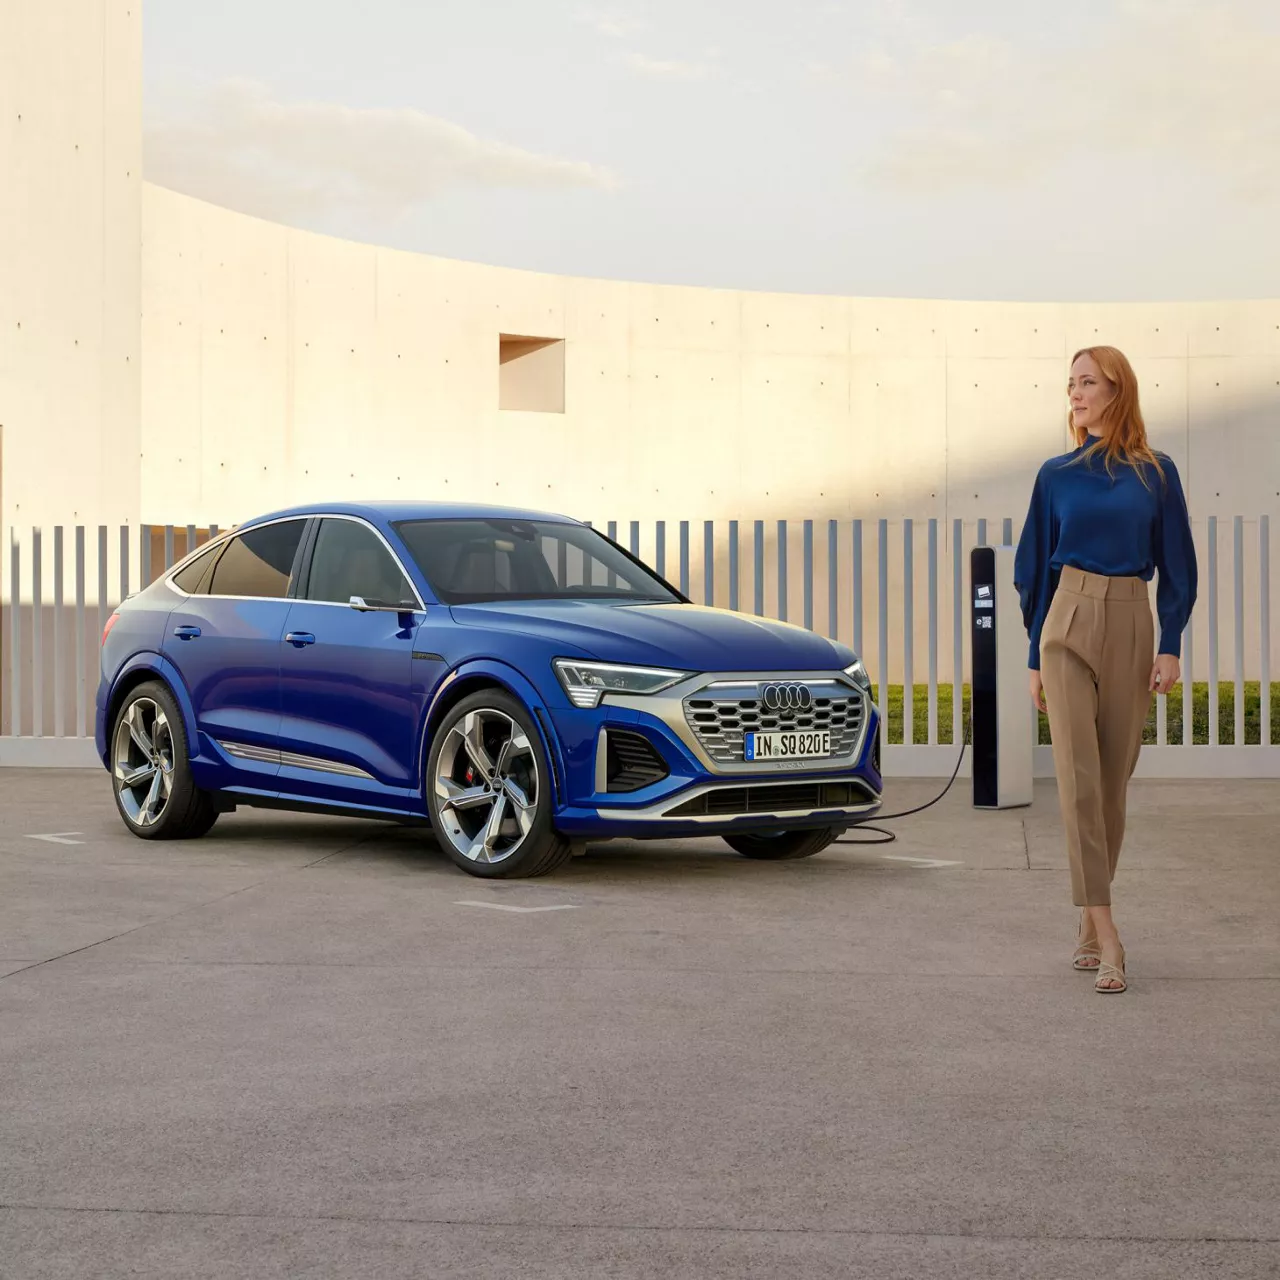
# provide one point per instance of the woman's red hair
(1124, 437)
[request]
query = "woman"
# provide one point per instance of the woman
(1103, 519)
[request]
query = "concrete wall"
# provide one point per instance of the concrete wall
(70, 260)
(282, 365)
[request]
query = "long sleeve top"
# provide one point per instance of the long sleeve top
(1113, 525)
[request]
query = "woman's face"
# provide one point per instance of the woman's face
(1089, 393)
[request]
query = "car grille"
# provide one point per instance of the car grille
(719, 722)
(631, 761)
(773, 798)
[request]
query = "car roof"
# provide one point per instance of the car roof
(386, 512)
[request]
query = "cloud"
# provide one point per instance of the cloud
(613, 23)
(1198, 85)
(661, 69)
(232, 144)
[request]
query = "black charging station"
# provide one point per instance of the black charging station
(1001, 712)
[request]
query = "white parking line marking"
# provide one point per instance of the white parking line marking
(500, 906)
(921, 862)
(59, 837)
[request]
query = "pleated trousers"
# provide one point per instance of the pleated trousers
(1097, 647)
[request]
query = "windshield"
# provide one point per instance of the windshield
(471, 560)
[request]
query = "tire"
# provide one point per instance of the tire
(151, 769)
(779, 845)
(487, 756)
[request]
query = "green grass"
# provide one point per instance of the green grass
(1173, 721)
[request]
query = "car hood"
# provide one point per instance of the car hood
(686, 636)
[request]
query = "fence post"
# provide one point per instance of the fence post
(882, 639)
(1237, 555)
(144, 555)
(957, 639)
(59, 656)
(933, 630)
(684, 557)
(80, 645)
(37, 635)
(857, 590)
(660, 548)
(709, 563)
(808, 575)
(1213, 631)
(833, 578)
(15, 634)
(733, 565)
(758, 566)
(1264, 613)
(908, 632)
(782, 571)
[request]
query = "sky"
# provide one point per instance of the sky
(1097, 150)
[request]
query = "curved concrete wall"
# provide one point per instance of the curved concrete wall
(281, 365)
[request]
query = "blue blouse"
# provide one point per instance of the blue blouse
(1112, 525)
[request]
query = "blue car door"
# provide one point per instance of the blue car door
(352, 694)
(224, 639)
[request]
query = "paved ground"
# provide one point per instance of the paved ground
(291, 1050)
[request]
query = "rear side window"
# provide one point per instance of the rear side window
(188, 578)
(351, 560)
(258, 562)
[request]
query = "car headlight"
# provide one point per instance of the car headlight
(587, 682)
(858, 674)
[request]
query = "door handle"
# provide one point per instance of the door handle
(300, 638)
(186, 633)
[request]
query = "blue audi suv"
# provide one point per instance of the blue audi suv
(515, 679)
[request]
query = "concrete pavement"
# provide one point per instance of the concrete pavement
(288, 1049)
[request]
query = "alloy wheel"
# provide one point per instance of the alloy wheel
(486, 785)
(143, 762)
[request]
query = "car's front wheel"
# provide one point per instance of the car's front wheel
(151, 770)
(489, 790)
(781, 844)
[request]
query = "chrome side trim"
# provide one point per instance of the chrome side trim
(292, 760)
(246, 751)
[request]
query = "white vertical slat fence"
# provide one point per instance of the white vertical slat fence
(901, 582)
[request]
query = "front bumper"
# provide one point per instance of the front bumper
(700, 794)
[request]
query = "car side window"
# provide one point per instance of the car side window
(349, 559)
(259, 561)
(188, 578)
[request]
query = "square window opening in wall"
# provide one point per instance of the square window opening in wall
(530, 373)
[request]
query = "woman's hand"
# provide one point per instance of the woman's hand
(1165, 673)
(1037, 691)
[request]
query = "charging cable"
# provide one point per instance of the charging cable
(888, 837)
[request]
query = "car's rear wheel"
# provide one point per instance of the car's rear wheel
(781, 844)
(151, 769)
(489, 792)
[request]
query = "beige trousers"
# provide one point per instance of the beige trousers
(1097, 648)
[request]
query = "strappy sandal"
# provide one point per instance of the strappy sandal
(1086, 951)
(1110, 973)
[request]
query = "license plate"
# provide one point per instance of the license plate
(800, 745)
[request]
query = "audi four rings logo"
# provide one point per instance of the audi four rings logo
(787, 697)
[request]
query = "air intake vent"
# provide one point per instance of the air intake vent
(766, 798)
(631, 761)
